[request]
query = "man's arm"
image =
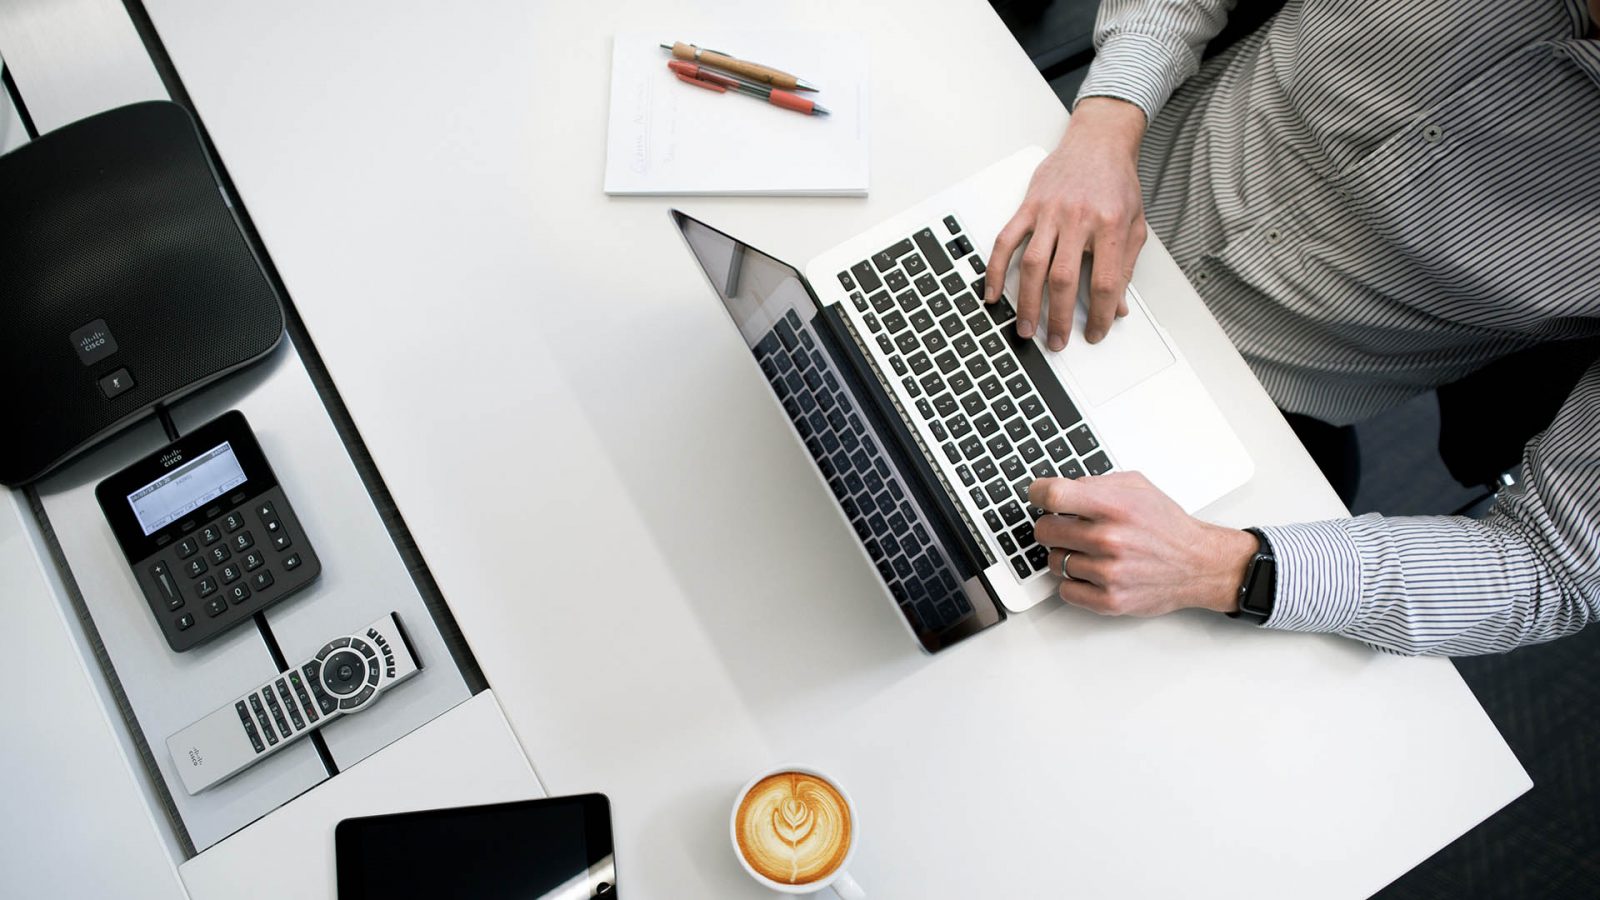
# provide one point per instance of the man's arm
(1144, 49)
(1440, 585)
(1527, 572)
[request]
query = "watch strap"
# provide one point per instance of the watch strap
(1260, 586)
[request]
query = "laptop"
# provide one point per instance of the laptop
(927, 417)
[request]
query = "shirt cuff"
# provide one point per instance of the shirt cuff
(1140, 69)
(1318, 574)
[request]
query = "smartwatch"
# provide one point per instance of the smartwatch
(1260, 585)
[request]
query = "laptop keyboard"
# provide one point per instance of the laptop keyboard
(860, 475)
(966, 384)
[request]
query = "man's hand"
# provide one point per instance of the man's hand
(1134, 551)
(1084, 197)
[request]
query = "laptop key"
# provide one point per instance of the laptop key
(896, 281)
(986, 425)
(1043, 469)
(1012, 512)
(937, 430)
(925, 284)
(1032, 406)
(1031, 452)
(1098, 464)
(947, 362)
(872, 322)
(1005, 366)
(998, 446)
(915, 265)
(908, 301)
(1083, 440)
(1013, 468)
(979, 498)
(973, 404)
(1018, 386)
(938, 304)
(1038, 557)
(985, 469)
(959, 426)
(1018, 429)
(1023, 534)
(1021, 567)
(990, 387)
(895, 361)
(1044, 428)
(885, 259)
(1000, 311)
(929, 245)
(919, 362)
(972, 448)
(946, 404)
(881, 302)
(951, 324)
(934, 341)
(950, 452)
(992, 344)
(953, 283)
(1058, 450)
(848, 282)
(950, 223)
(907, 342)
(965, 474)
(960, 382)
(992, 519)
(1004, 408)
(924, 409)
(1071, 469)
(921, 320)
(1007, 545)
(894, 322)
(865, 277)
(859, 301)
(965, 346)
(966, 304)
(932, 383)
(998, 491)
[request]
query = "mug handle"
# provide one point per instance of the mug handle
(847, 888)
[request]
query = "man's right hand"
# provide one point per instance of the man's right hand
(1084, 197)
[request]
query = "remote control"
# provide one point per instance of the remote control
(345, 676)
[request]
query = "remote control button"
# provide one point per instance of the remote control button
(261, 580)
(331, 646)
(237, 594)
(187, 548)
(280, 542)
(185, 621)
(231, 573)
(265, 511)
(216, 606)
(194, 568)
(343, 673)
(291, 562)
(254, 560)
(304, 698)
(365, 648)
(210, 534)
(255, 738)
(273, 526)
(243, 541)
(358, 699)
(232, 522)
(206, 586)
(372, 671)
(218, 555)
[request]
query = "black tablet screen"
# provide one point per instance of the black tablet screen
(556, 849)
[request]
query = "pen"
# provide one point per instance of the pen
(700, 76)
(763, 75)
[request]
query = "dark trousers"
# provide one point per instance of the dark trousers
(1335, 451)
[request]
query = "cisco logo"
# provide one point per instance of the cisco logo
(195, 759)
(171, 458)
(93, 342)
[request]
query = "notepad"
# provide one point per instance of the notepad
(667, 137)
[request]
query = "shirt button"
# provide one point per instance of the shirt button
(1274, 236)
(1202, 277)
(1432, 133)
(1558, 52)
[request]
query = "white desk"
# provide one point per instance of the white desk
(659, 593)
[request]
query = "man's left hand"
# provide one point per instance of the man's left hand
(1133, 550)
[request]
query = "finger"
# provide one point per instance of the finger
(1064, 272)
(1084, 594)
(1005, 246)
(1067, 532)
(1074, 496)
(1107, 282)
(1080, 567)
(1137, 234)
(1035, 266)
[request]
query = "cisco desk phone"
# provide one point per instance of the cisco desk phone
(210, 535)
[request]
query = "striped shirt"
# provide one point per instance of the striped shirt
(1375, 199)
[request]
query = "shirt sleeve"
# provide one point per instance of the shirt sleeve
(1527, 572)
(1145, 48)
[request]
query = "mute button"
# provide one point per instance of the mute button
(116, 383)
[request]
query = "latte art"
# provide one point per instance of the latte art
(793, 828)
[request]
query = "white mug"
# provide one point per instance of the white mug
(840, 881)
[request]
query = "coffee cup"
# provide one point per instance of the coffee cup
(794, 829)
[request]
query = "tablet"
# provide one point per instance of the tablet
(553, 849)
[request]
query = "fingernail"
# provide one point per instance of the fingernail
(1025, 329)
(1057, 342)
(1094, 336)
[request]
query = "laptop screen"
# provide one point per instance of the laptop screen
(860, 450)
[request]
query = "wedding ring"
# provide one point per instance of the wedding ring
(1066, 555)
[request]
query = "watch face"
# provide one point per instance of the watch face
(1262, 588)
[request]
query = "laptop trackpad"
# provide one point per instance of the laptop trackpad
(1132, 351)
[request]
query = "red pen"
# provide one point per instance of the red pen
(721, 82)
